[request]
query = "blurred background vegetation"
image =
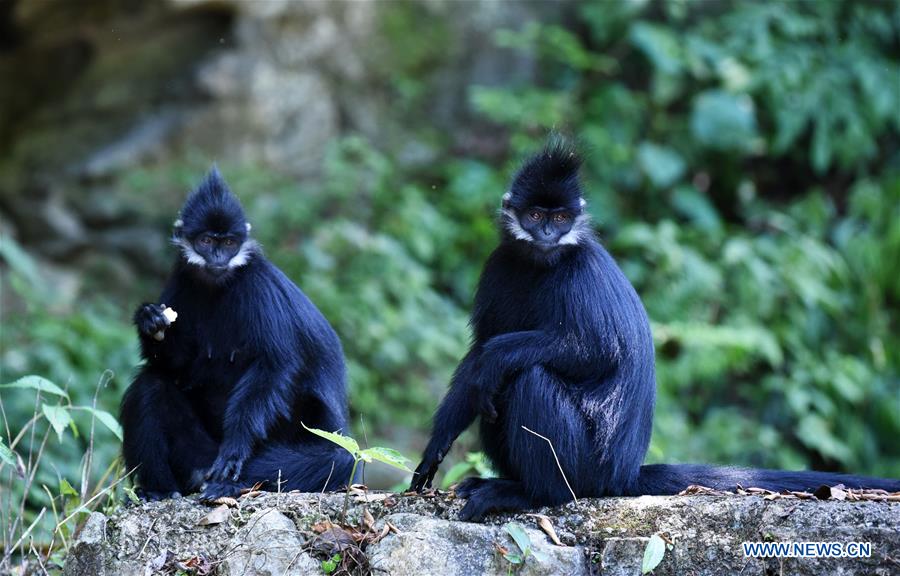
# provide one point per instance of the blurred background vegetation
(742, 165)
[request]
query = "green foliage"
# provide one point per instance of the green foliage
(29, 466)
(523, 542)
(387, 456)
(474, 463)
(742, 167)
(330, 565)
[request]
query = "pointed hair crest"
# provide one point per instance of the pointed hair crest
(548, 179)
(212, 207)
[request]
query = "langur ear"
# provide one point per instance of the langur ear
(178, 225)
(248, 227)
(504, 202)
(582, 203)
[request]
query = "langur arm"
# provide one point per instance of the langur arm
(455, 414)
(575, 357)
(263, 395)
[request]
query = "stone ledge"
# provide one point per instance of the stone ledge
(275, 533)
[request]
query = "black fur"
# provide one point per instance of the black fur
(562, 346)
(222, 396)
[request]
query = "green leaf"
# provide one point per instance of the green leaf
(345, 442)
(330, 565)
(696, 206)
(660, 46)
(538, 555)
(518, 534)
(132, 495)
(107, 420)
(37, 383)
(724, 121)
(22, 264)
(66, 489)
(662, 165)
(58, 416)
(653, 553)
(6, 454)
(387, 456)
(455, 473)
(514, 558)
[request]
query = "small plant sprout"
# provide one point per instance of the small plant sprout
(330, 565)
(523, 542)
(387, 456)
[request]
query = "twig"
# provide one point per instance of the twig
(9, 552)
(278, 485)
(349, 486)
(89, 456)
(558, 465)
(366, 440)
(37, 556)
(13, 442)
(32, 470)
(324, 486)
(86, 504)
(149, 536)
(55, 519)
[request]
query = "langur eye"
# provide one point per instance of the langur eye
(535, 215)
(229, 242)
(205, 240)
(560, 218)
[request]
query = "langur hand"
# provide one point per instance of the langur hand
(153, 319)
(425, 471)
(228, 465)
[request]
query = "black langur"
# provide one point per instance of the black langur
(225, 386)
(562, 347)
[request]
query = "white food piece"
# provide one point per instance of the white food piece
(170, 316)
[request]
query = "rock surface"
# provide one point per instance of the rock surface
(413, 535)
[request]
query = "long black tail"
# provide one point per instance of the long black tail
(668, 479)
(307, 467)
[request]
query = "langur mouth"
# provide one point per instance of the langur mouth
(546, 245)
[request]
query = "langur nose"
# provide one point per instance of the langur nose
(547, 232)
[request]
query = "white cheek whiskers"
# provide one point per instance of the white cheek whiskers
(511, 222)
(580, 228)
(190, 255)
(248, 249)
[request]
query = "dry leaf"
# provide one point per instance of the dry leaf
(357, 489)
(335, 540)
(161, 560)
(226, 500)
(547, 527)
(392, 528)
(384, 532)
(368, 520)
(365, 497)
(218, 515)
(697, 490)
(322, 526)
(197, 565)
